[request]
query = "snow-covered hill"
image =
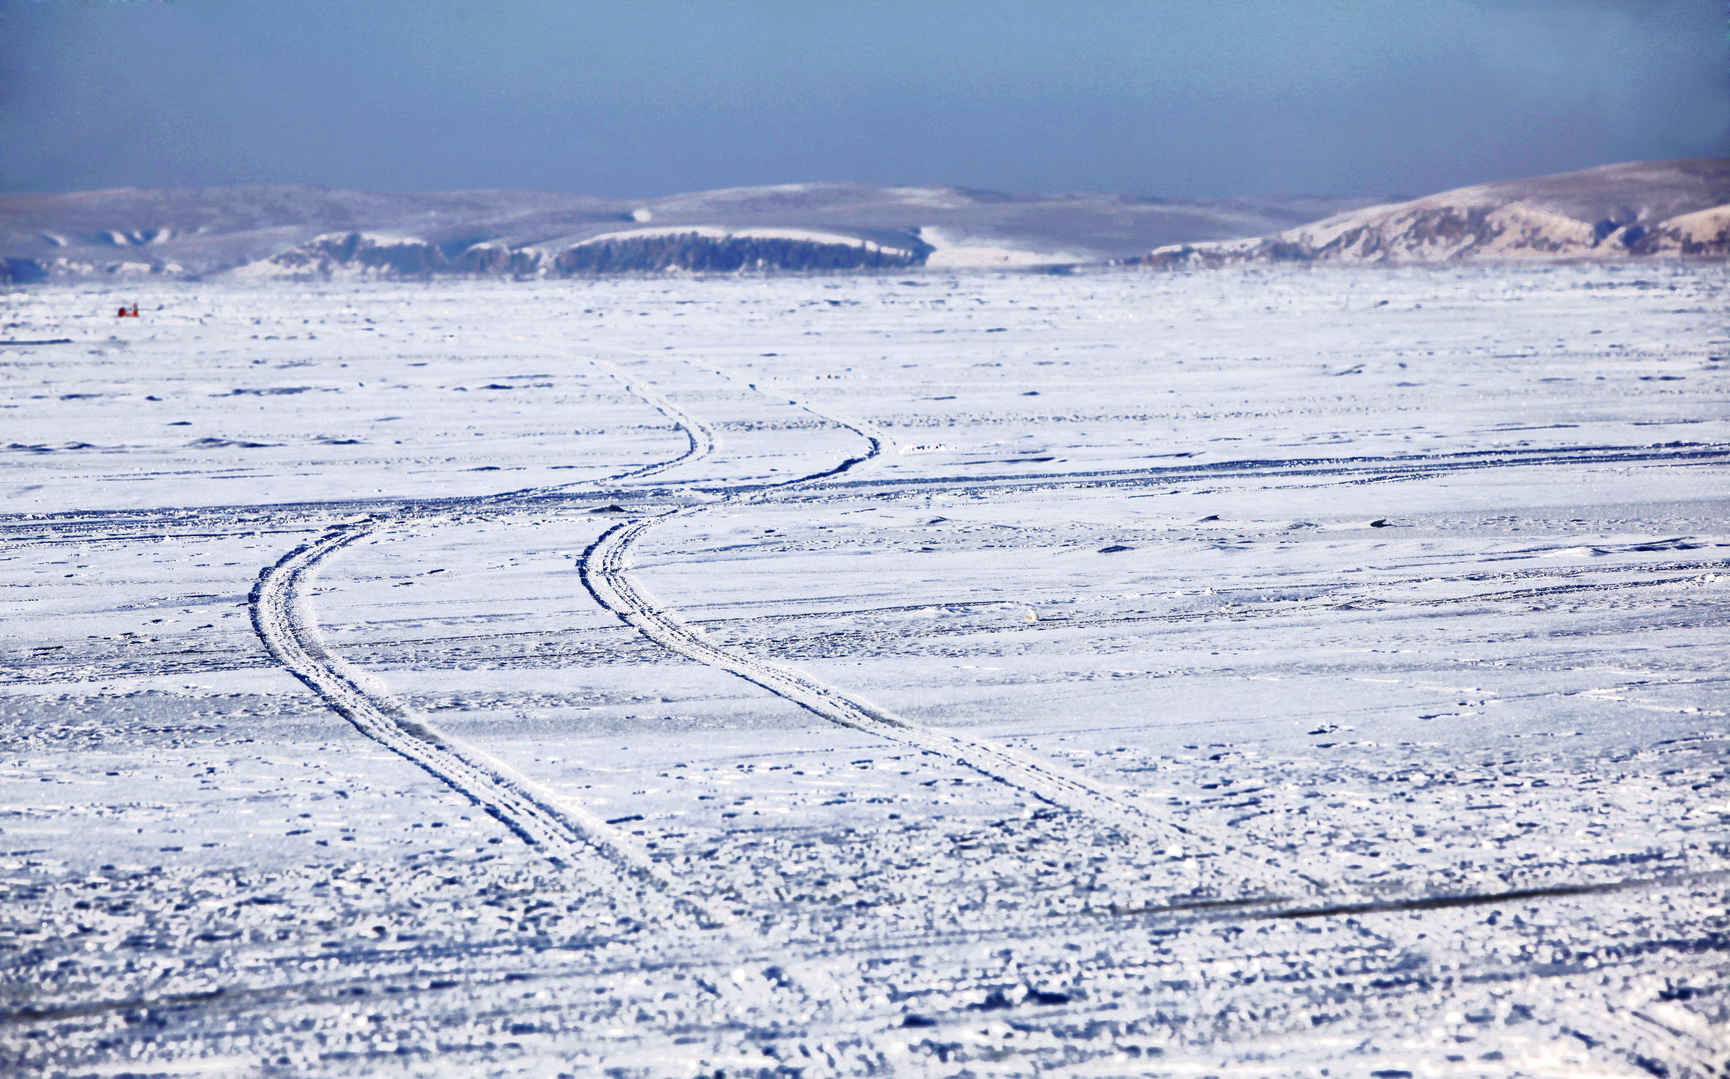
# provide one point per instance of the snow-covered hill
(302, 232)
(1635, 210)
(1631, 210)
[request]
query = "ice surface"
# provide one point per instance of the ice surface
(1242, 673)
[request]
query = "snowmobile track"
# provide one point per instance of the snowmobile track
(605, 570)
(283, 619)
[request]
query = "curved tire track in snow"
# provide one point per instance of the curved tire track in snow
(605, 570)
(699, 443)
(283, 619)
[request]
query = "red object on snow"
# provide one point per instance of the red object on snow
(124, 313)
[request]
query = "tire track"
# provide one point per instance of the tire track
(1361, 971)
(565, 831)
(1657, 1046)
(605, 570)
(699, 443)
(72, 526)
(1346, 470)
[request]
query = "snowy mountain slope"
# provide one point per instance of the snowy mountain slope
(195, 232)
(297, 232)
(1635, 209)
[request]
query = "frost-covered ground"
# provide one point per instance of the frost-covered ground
(1309, 673)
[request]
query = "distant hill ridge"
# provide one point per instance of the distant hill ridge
(316, 233)
(1633, 210)
(1642, 209)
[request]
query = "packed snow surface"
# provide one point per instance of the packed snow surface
(1299, 673)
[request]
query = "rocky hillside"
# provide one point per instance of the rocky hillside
(314, 233)
(1633, 210)
(668, 250)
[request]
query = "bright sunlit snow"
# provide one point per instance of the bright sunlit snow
(1312, 672)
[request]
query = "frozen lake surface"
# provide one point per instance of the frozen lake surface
(1233, 674)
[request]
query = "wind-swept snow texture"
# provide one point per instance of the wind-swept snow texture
(1259, 672)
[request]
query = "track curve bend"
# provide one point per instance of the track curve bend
(282, 616)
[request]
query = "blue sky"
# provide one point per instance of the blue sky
(648, 97)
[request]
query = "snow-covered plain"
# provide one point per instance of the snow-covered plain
(1312, 672)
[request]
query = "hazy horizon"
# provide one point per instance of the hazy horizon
(1237, 100)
